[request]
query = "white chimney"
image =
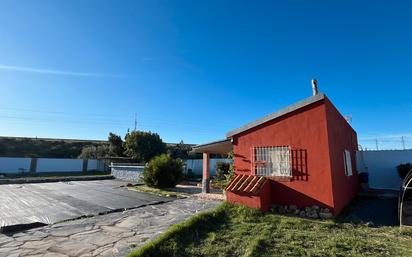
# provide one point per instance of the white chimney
(314, 87)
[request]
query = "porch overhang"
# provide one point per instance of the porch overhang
(216, 147)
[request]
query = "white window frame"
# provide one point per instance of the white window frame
(347, 160)
(272, 161)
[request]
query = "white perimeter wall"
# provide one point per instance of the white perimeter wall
(197, 165)
(381, 166)
(12, 165)
(59, 165)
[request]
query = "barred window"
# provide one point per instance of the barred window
(272, 161)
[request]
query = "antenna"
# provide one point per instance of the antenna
(135, 122)
(348, 118)
(314, 87)
(403, 142)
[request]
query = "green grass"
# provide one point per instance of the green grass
(157, 191)
(239, 231)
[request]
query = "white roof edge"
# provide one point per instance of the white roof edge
(277, 114)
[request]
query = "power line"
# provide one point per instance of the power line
(112, 117)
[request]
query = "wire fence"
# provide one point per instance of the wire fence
(386, 143)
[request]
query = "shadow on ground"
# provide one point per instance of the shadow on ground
(371, 210)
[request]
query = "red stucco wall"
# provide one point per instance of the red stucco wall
(341, 137)
(305, 130)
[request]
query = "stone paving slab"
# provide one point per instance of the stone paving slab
(114, 234)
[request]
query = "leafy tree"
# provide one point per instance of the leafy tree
(143, 146)
(163, 171)
(95, 152)
(180, 150)
(116, 145)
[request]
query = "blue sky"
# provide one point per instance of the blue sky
(193, 70)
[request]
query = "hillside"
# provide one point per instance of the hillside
(44, 147)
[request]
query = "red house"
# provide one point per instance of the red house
(302, 155)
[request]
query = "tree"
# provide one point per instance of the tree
(95, 152)
(180, 150)
(116, 145)
(143, 146)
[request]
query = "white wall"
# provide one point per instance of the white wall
(59, 165)
(197, 165)
(13, 164)
(381, 166)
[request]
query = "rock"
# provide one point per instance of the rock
(302, 214)
(274, 208)
(325, 215)
(296, 212)
(313, 215)
(282, 210)
(307, 209)
(315, 207)
(325, 210)
(293, 207)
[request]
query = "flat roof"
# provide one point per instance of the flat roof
(277, 114)
(223, 146)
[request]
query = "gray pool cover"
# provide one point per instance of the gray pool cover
(48, 203)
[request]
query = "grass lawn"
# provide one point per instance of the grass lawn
(239, 231)
(156, 191)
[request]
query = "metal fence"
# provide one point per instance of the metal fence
(396, 142)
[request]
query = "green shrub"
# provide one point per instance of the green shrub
(403, 169)
(222, 169)
(163, 171)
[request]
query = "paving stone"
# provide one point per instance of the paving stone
(100, 250)
(55, 255)
(5, 239)
(68, 230)
(97, 238)
(114, 234)
(7, 249)
(72, 248)
(13, 244)
(43, 244)
(114, 229)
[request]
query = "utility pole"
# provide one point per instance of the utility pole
(376, 142)
(403, 143)
(135, 122)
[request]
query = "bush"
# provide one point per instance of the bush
(95, 152)
(222, 169)
(163, 171)
(403, 169)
